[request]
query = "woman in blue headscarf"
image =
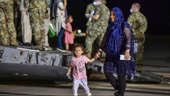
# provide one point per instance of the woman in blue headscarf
(118, 41)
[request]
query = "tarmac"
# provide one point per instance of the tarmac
(65, 89)
(157, 56)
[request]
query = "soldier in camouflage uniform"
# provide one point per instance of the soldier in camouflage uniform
(96, 28)
(37, 10)
(7, 29)
(138, 23)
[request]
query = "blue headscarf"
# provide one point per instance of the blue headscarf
(115, 33)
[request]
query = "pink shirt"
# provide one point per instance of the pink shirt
(69, 26)
(79, 68)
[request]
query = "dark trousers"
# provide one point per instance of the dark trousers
(60, 38)
(118, 83)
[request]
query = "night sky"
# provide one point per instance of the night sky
(157, 13)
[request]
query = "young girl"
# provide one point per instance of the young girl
(79, 70)
(69, 35)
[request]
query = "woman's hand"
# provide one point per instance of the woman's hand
(97, 55)
(127, 54)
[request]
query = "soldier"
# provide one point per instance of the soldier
(96, 28)
(60, 22)
(37, 10)
(138, 23)
(7, 29)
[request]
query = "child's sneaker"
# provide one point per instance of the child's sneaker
(89, 94)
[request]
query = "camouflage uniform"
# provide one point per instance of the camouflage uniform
(37, 9)
(138, 23)
(96, 28)
(89, 9)
(7, 29)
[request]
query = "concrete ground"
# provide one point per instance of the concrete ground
(157, 55)
(97, 89)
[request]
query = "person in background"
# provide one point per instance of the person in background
(97, 26)
(60, 23)
(117, 42)
(69, 35)
(138, 23)
(53, 9)
(78, 63)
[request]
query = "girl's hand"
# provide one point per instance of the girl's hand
(127, 54)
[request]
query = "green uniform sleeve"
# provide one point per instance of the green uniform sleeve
(104, 17)
(98, 10)
(138, 22)
(143, 24)
(89, 8)
(131, 21)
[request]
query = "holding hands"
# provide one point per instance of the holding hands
(98, 54)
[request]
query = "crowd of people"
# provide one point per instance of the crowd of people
(26, 22)
(115, 37)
